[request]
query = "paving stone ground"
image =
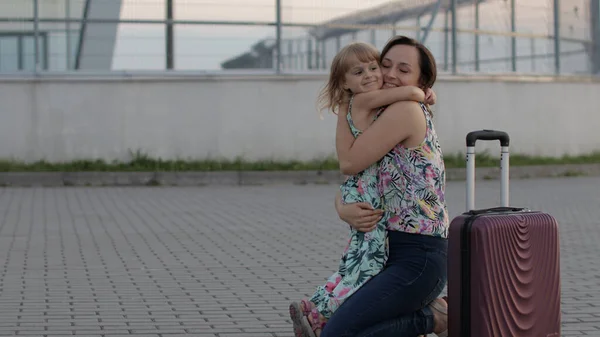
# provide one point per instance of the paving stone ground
(222, 261)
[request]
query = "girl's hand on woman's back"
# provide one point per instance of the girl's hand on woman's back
(430, 96)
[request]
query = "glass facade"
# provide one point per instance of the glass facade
(58, 29)
(17, 51)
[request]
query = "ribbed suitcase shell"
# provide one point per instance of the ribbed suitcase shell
(512, 286)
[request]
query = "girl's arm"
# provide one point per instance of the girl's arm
(400, 121)
(343, 134)
(430, 96)
(368, 101)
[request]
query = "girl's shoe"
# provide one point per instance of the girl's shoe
(299, 310)
(313, 324)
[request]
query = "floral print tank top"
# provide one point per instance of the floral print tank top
(411, 182)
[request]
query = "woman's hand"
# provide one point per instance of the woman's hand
(360, 215)
(430, 97)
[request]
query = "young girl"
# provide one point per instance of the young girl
(355, 78)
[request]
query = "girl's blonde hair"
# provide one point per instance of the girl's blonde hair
(333, 93)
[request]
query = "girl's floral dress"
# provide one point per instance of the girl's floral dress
(366, 253)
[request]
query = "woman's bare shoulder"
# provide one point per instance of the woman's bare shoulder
(404, 108)
(406, 105)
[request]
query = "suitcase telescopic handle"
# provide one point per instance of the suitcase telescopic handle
(472, 138)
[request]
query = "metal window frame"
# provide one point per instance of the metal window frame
(20, 35)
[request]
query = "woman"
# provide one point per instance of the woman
(402, 299)
(355, 78)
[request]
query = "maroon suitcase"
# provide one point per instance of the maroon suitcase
(503, 264)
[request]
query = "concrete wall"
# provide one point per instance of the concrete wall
(259, 117)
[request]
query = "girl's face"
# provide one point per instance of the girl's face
(363, 76)
(400, 67)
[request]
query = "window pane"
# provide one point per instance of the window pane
(28, 53)
(9, 56)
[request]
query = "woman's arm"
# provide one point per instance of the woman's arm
(361, 215)
(368, 101)
(400, 121)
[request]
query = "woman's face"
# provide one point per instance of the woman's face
(400, 67)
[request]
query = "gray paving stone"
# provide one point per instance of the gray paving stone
(223, 261)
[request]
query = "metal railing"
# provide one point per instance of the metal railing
(450, 36)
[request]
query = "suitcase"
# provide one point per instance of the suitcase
(503, 263)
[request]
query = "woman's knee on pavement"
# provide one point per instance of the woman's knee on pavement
(382, 305)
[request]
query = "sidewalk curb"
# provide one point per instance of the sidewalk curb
(244, 178)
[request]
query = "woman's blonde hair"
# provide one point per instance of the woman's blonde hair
(333, 93)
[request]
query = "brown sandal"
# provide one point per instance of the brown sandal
(299, 310)
(309, 329)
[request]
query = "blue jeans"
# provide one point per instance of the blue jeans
(394, 302)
